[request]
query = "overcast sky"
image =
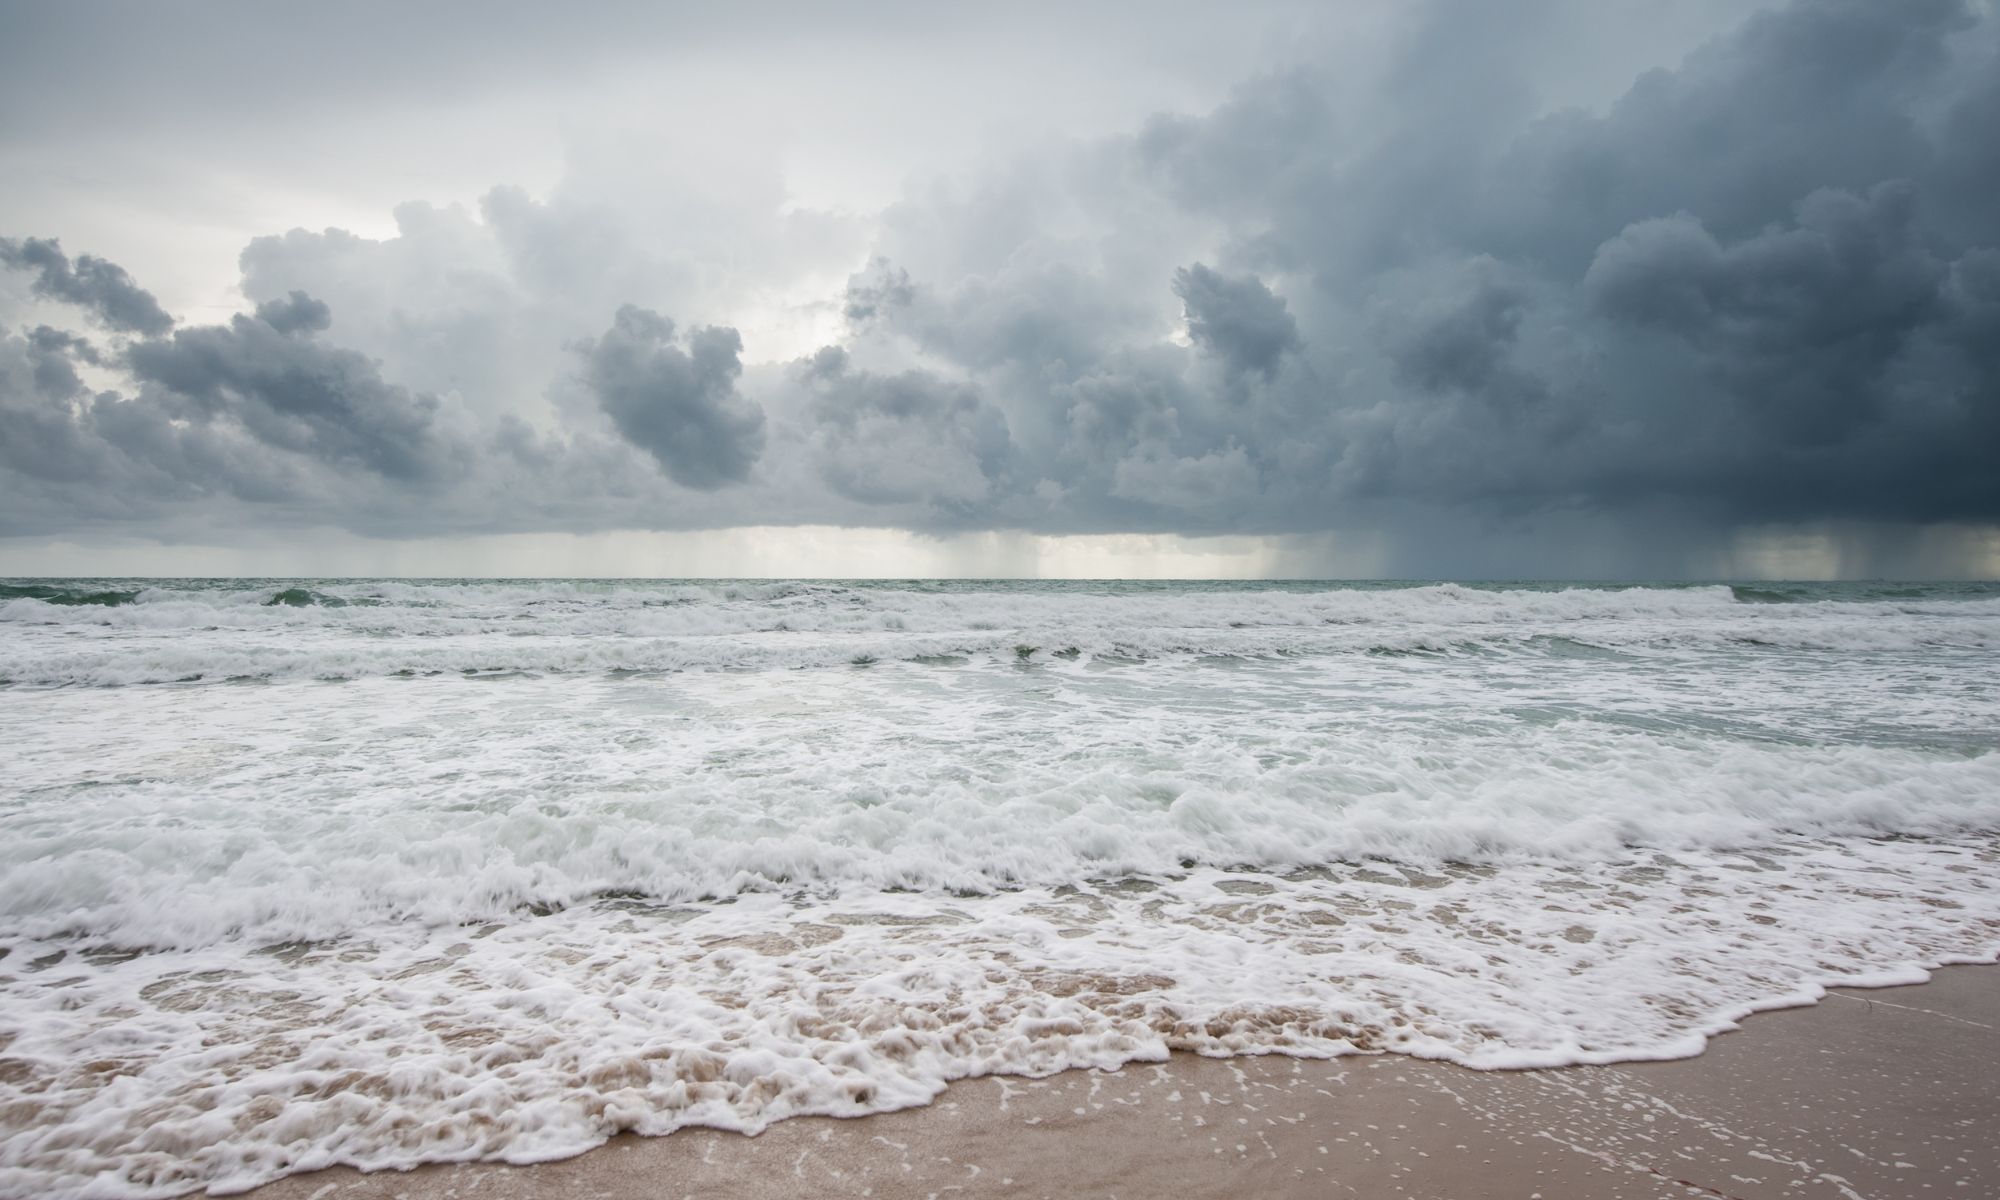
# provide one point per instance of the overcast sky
(1594, 288)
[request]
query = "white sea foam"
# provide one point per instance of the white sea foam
(539, 1037)
(254, 928)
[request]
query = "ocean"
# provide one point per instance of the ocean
(378, 872)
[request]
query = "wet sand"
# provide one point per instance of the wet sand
(1886, 1093)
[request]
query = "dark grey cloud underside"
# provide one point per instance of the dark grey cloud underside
(1762, 286)
(678, 404)
(103, 290)
(1240, 321)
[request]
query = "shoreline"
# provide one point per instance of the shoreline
(1868, 1092)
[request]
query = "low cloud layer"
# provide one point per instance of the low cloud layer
(1761, 287)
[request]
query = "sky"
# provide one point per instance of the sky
(1550, 289)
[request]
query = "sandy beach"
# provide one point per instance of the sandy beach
(1877, 1093)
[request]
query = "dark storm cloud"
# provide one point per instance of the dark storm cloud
(296, 313)
(1742, 289)
(293, 392)
(1238, 320)
(72, 458)
(1761, 285)
(54, 354)
(101, 288)
(677, 403)
(1466, 346)
(1818, 94)
(1800, 325)
(37, 384)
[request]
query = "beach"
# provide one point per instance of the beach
(377, 874)
(1879, 1093)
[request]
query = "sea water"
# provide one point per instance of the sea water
(304, 872)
